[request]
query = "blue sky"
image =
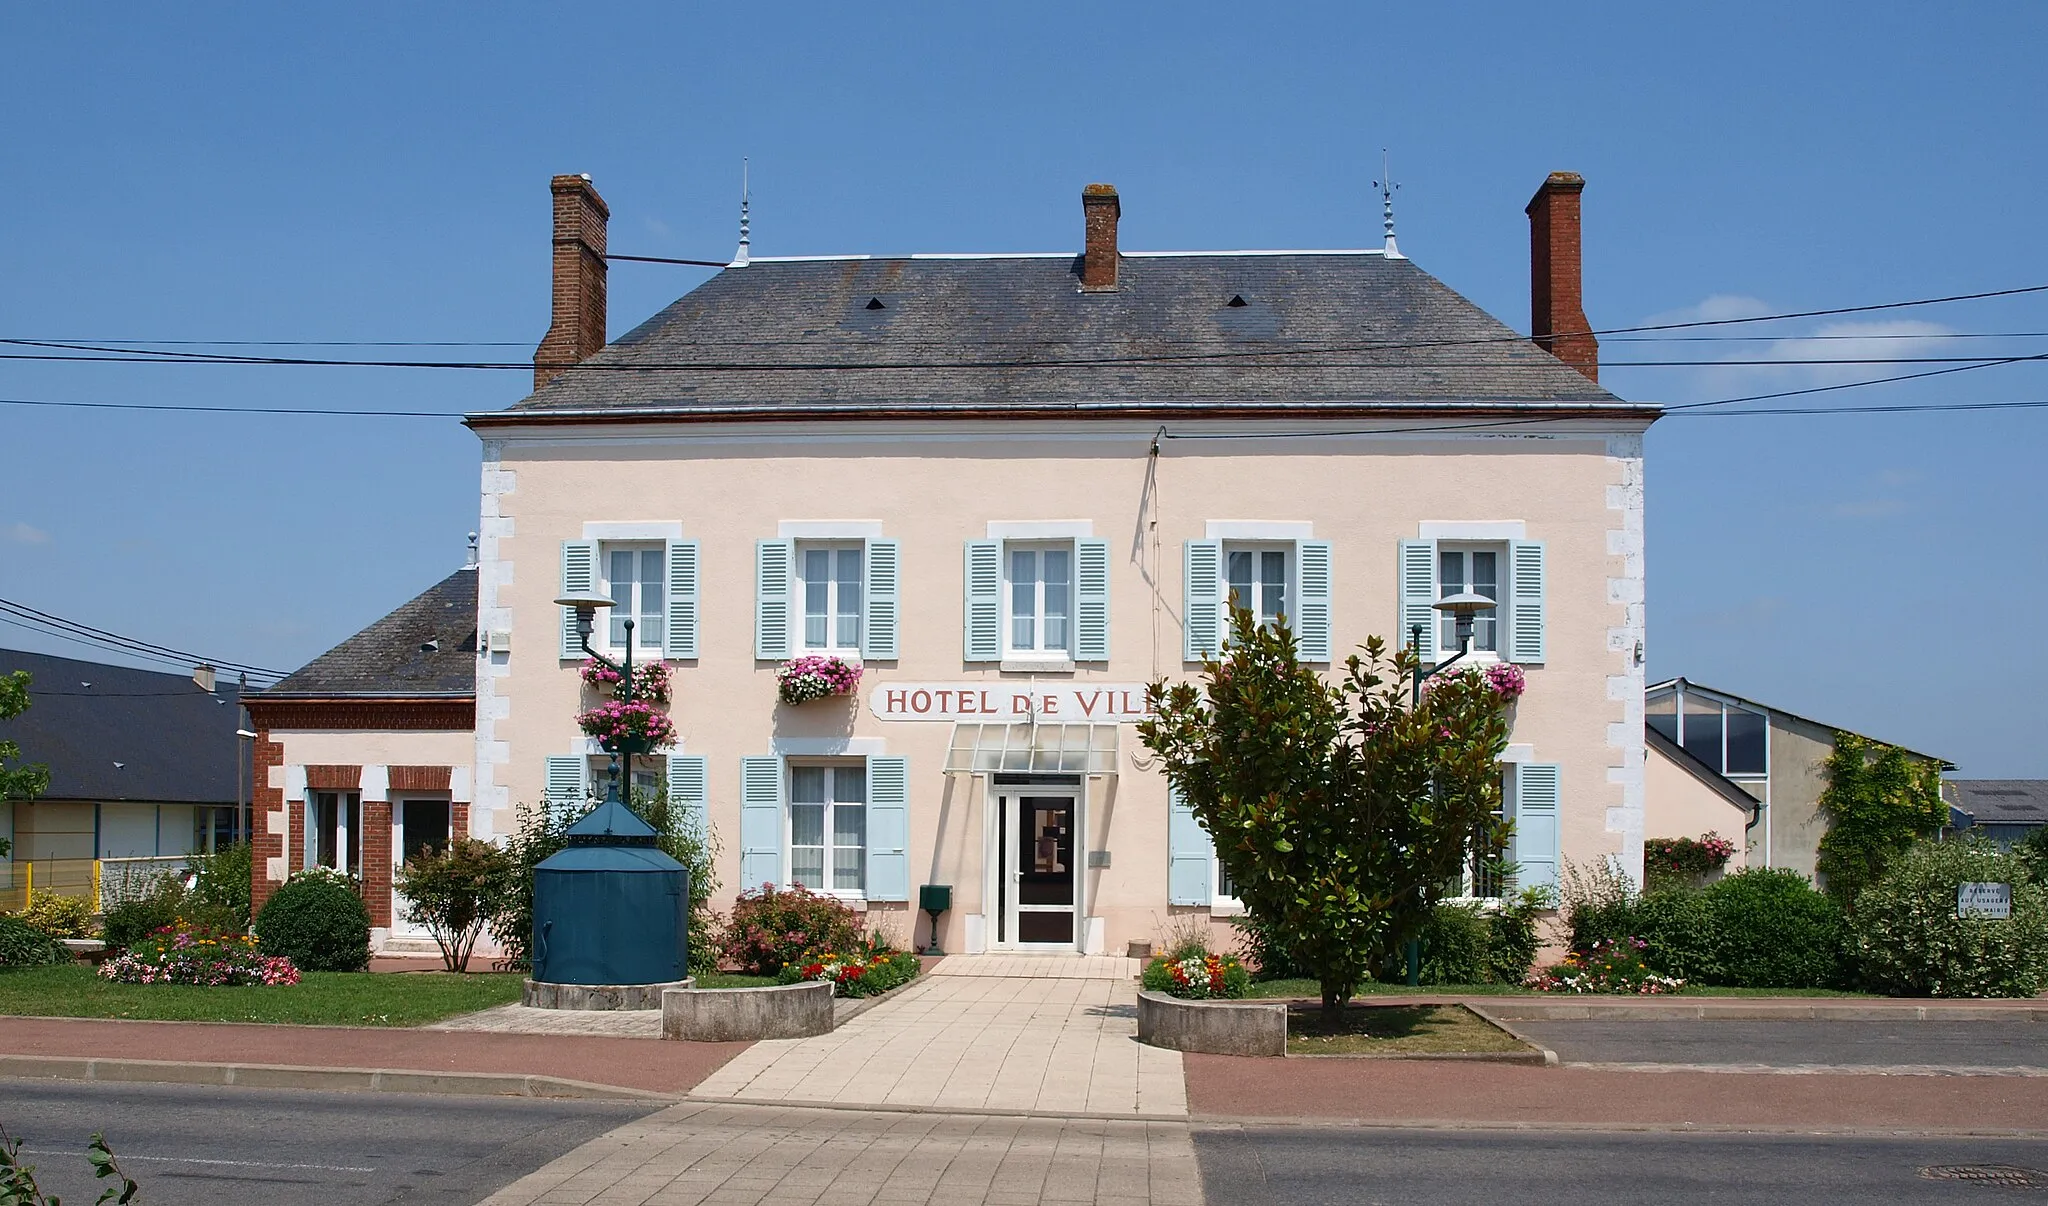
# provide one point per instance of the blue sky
(379, 172)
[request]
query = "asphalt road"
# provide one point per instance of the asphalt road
(1779, 1044)
(1312, 1167)
(204, 1144)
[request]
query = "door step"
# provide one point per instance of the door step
(401, 948)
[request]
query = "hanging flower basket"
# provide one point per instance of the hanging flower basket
(1507, 680)
(613, 722)
(650, 680)
(815, 676)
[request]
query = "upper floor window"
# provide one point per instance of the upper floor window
(1039, 599)
(1728, 737)
(829, 582)
(1475, 568)
(1258, 576)
(633, 576)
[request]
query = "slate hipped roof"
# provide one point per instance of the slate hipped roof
(425, 648)
(1284, 333)
(111, 733)
(2000, 801)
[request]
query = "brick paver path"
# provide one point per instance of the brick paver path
(709, 1153)
(1056, 1044)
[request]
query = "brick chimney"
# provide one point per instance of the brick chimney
(577, 329)
(1099, 211)
(1557, 310)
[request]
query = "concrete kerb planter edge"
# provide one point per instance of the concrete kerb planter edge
(539, 994)
(773, 1011)
(1212, 1027)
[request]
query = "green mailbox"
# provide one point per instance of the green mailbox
(935, 899)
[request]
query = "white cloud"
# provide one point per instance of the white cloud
(23, 533)
(1732, 371)
(1718, 307)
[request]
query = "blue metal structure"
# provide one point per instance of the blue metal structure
(610, 908)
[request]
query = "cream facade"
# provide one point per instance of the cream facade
(1565, 500)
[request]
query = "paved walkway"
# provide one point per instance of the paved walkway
(523, 1019)
(707, 1153)
(1062, 1043)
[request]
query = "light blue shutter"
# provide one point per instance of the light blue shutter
(568, 782)
(878, 632)
(1091, 600)
(579, 577)
(760, 822)
(1536, 850)
(774, 591)
(680, 643)
(1202, 605)
(888, 828)
(688, 790)
(1312, 611)
(1418, 594)
(1191, 856)
(1526, 585)
(984, 618)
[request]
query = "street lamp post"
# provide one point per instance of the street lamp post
(586, 608)
(1462, 608)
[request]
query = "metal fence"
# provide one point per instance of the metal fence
(105, 882)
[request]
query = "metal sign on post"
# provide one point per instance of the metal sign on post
(1984, 900)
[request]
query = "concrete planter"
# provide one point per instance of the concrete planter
(719, 1015)
(539, 994)
(1215, 1027)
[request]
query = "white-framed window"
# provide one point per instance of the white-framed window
(1481, 878)
(334, 830)
(830, 583)
(644, 775)
(828, 826)
(1038, 597)
(634, 576)
(1258, 577)
(1223, 890)
(1480, 569)
(1728, 737)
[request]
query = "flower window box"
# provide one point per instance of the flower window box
(816, 676)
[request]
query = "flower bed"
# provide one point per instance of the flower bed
(183, 954)
(613, 722)
(816, 676)
(1611, 965)
(861, 973)
(1199, 976)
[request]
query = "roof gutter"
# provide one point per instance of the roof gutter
(1162, 409)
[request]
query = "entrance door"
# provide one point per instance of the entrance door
(1035, 891)
(418, 827)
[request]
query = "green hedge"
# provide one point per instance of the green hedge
(1907, 940)
(318, 921)
(1758, 928)
(23, 945)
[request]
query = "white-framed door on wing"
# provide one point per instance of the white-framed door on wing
(1037, 901)
(417, 826)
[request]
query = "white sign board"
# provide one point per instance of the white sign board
(1011, 703)
(1984, 900)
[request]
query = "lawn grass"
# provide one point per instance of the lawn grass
(321, 999)
(1308, 988)
(1398, 1030)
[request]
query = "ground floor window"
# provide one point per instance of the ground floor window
(828, 832)
(334, 831)
(215, 829)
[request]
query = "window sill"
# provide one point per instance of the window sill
(850, 656)
(1027, 664)
(1225, 908)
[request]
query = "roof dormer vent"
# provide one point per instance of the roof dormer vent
(876, 303)
(1237, 301)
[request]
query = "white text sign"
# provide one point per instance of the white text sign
(1011, 703)
(1984, 900)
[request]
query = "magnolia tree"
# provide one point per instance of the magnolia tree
(1341, 812)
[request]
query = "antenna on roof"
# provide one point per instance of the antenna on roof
(739, 258)
(1386, 186)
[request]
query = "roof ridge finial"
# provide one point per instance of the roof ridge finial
(739, 258)
(1386, 186)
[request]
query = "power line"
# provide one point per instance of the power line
(657, 259)
(59, 625)
(236, 410)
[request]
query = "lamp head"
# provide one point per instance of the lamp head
(585, 606)
(1463, 607)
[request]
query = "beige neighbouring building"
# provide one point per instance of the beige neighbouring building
(1015, 488)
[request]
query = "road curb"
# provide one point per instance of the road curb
(859, 1107)
(1548, 1057)
(1218, 1122)
(288, 1076)
(1738, 1010)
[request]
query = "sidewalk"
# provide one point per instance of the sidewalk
(641, 1064)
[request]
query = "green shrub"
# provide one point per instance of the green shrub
(1266, 951)
(221, 881)
(1773, 930)
(454, 892)
(317, 920)
(1512, 939)
(773, 926)
(131, 919)
(1599, 903)
(2033, 851)
(1683, 933)
(1455, 943)
(23, 945)
(60, 916)
(1198, 976)
(1906, 939)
